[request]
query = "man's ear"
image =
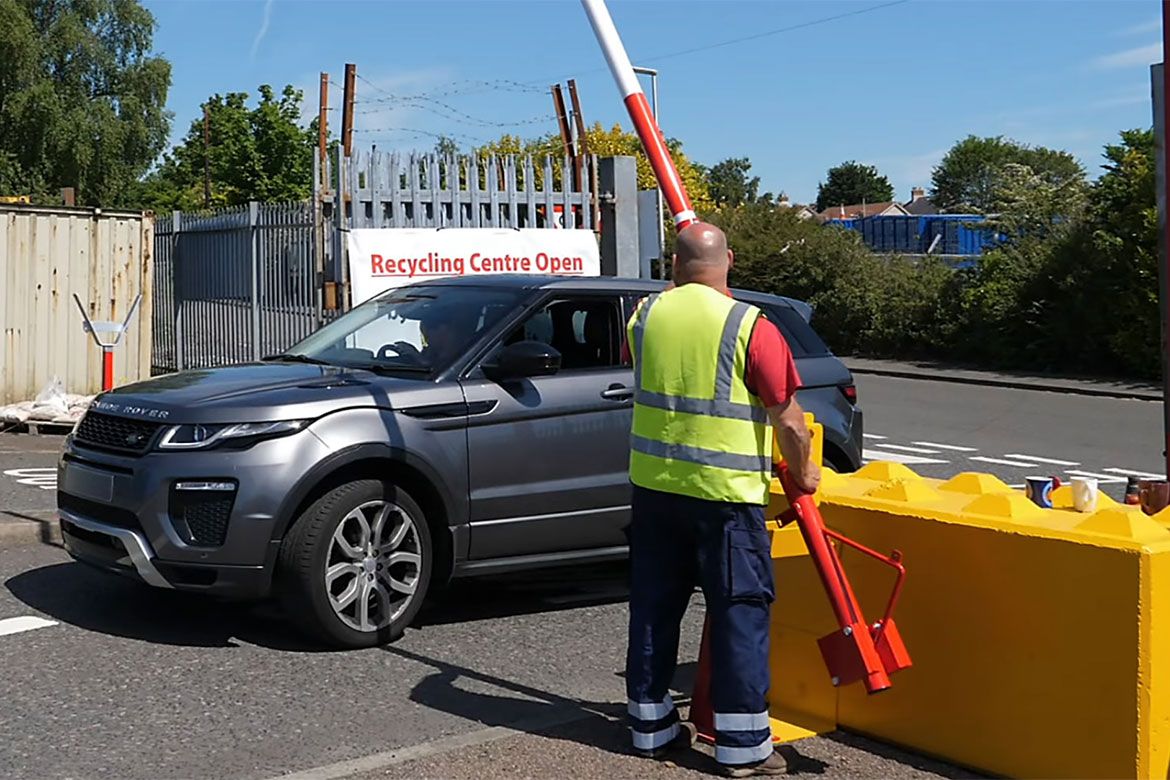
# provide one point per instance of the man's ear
(674, 266)
(730, 258)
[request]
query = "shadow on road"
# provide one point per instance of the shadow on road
(526, 593)
(461, 691)
(74, 593)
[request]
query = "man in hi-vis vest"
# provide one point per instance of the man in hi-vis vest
(712, 378)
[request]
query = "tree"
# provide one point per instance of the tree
(259, 154)
(967, 177)
(446, 146)
(82, 100)
(851, 183)
(1026, 204)
(730, 186)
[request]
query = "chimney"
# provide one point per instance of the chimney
(784, 202)
(917, 193)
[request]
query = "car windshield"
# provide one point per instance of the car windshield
(412, 329)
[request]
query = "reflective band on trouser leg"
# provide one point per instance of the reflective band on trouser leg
(742, 721)
(655, 739)
(743, 755)
(652, 724)
(651, 711)
(742, 737)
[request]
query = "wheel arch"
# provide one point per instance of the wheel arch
(389, 464)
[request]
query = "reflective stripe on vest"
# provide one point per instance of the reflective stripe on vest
(721, 405)
(698, 429)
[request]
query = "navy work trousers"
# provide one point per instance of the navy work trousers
(676, 543)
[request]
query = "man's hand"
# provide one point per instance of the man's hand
(807, 479)
(795, 441)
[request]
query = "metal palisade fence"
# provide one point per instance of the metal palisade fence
(233, 285)
(430, 190)
(236, 284)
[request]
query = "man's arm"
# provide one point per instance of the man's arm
(795, 442)
(772, 376)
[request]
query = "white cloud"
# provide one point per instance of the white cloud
(1139, 55)
(264, 22)
(1153, 25)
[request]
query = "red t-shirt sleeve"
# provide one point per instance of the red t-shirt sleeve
(771, 372)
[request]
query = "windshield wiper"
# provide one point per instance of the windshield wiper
(295, 358)
(377, 367)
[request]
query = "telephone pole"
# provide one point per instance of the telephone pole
(206, 155)
(323, 132)
(347, 113)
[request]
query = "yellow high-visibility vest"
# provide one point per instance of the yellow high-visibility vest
(697, 431)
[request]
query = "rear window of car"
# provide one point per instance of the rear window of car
(801, 338)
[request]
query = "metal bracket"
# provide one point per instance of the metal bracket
(101, 326)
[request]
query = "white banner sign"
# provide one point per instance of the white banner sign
(383, 258)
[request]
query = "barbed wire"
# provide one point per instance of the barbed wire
(462, 118)
(417, 131)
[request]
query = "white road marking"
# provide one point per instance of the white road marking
(1107, 478)
(1038, 459)
(897, 457)
(919, 450)
(1002, 462)
(1138, 474)
(26, 623)
(44, 478)
(872, 436)
(1018, 487)
(946, 446)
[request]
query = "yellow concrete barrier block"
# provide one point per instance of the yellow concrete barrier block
(906, 491)
(1004, 506)
(1040, 637)
(884, 471)
(975, 484)
(1125, 524)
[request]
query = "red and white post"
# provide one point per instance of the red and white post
(639, 109)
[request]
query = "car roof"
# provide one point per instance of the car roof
(616, 284)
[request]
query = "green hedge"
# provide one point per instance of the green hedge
(1081, 301)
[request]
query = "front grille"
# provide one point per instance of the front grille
(201, 517)
(121, 434)
(95, 510)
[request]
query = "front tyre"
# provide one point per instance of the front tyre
(353, 570)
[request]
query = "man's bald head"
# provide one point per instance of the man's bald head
(701, 256)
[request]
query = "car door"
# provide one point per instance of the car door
(548, 464)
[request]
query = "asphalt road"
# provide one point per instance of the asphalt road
(510, 677)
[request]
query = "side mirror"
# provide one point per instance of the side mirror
(523, 359)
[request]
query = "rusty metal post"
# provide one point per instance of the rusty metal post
(347, 113)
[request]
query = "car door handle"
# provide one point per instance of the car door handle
(617, 393)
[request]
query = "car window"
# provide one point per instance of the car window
(586, 331)
(801, 338)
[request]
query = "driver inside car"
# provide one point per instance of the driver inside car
(444, 332)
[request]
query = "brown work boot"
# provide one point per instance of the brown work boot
(774, 764)
(687, 734)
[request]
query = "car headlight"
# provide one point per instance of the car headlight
(198, 436)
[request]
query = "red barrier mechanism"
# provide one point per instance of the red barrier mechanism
(117, 328)
(644, 124)
(858, 651)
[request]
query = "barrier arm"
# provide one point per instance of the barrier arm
(647, 129)
(857, 651)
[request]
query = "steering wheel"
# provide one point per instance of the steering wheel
(401, 349)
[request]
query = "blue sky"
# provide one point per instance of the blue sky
(889, 83)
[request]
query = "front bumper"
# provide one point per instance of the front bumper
(120, 513)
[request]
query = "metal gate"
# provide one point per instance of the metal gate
(234, 285)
